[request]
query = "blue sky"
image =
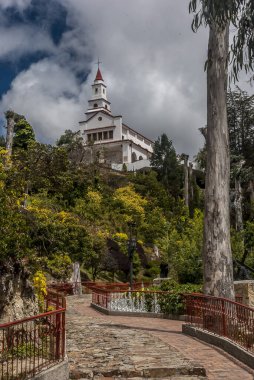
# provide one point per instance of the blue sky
(152, 64)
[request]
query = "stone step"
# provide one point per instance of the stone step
(143, 378)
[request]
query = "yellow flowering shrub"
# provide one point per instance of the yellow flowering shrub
(130, 203)
(40, 286)
(120, 236)
(94, 197)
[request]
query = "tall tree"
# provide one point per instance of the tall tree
(241, 123)
(23, 134)
(2, 141)
(217, 14)
(164, 160)
(185, 158)
(10, 131)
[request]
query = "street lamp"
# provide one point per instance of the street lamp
(132, 243)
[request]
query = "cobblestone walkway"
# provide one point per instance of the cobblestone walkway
(101, 346)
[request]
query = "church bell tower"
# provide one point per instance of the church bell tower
(99, 101)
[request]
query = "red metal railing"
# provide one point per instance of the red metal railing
(29, 345)
(223, 317)
(69, 288)
(139, 301)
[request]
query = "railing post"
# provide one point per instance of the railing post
(58, 335)
(58, 330)
(224, 322)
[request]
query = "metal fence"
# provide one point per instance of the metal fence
(139, 301)
(29, 345)
(223, 317)
(70, 288)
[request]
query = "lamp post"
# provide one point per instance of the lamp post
(132, 242)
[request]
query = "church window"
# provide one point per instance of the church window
(105, 135)
(133, 157)
(122, 137)
(100, 118)
(95, 105)
(140, 158)
(104, 91)
(106, 106)
(100, 136)
(110, 134)
(94, 136)
(96, 90)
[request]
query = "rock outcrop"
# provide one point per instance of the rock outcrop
(17, 299)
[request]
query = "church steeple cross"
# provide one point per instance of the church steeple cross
(98, 63)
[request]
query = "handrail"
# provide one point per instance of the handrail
(35, 343)
(223, 317)
(28, 319)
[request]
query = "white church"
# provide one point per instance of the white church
(116, 143)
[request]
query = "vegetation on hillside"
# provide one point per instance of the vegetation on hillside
(57, 209)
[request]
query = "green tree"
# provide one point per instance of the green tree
(23, 134)
(2, 141)
(165, 161)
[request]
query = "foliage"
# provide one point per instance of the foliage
(59, 266)
(2, 141)
(173, 286)
(165, 161)
(23, 134)
(122, 240)
(184, 246)
(173, 303)
(56, 209)
(40, 286)
(238, 12)
(240, 107)
(130, 204)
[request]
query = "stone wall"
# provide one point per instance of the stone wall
(245, 289)
(17, 299)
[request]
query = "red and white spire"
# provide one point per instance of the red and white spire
(98, 75)
(99, 101)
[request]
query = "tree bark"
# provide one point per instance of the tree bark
(186, 179)
(217, 257)
(9, 134)
(238, 205)
(191, 191)
(251, 191)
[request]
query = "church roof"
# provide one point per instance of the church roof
(98, 111)
(98, 75)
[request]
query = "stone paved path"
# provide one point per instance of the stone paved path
(133, 347)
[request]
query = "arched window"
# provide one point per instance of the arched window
(140, 158)
(133, 157)
(106, 106)
(95, 105)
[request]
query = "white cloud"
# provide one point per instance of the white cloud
(48, 96)
(19, 40)
(20, 4)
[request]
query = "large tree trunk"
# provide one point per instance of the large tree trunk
(9, 133)
(217, 257)
(251, 191)
(186, 179)
(238, 205)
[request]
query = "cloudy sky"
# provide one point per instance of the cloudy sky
(152, 64)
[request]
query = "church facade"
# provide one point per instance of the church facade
(115, 142)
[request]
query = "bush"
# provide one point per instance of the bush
(173, 303)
